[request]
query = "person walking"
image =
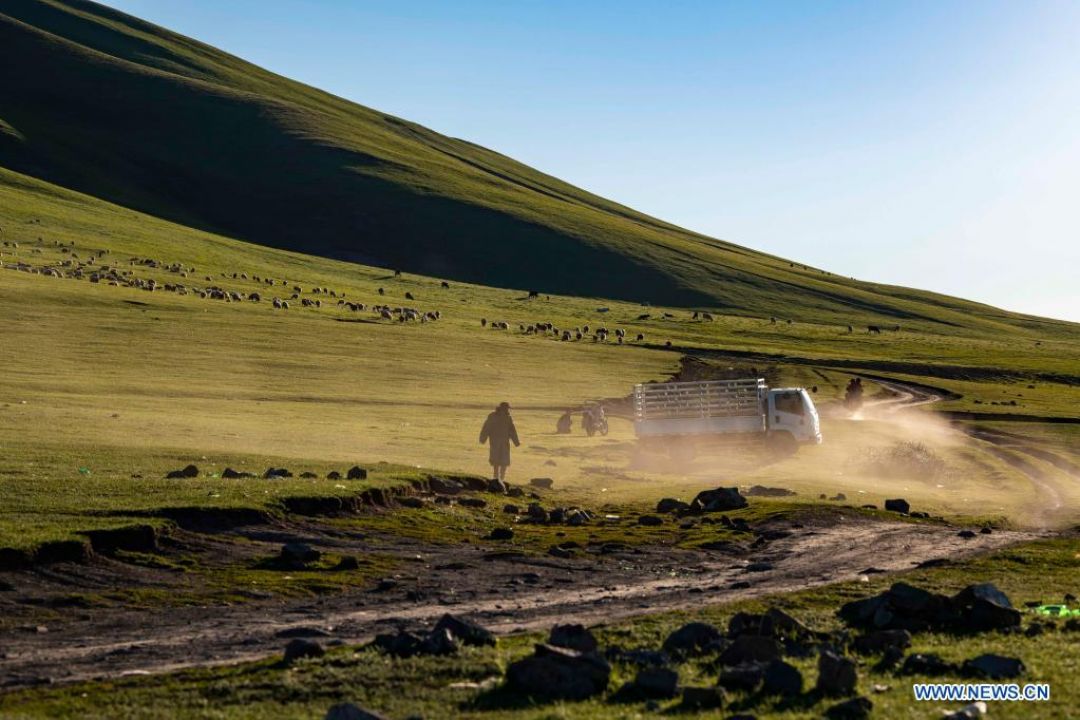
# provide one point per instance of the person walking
(498, 432)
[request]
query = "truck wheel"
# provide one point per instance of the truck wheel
(781, 444)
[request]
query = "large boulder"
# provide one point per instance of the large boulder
(659, 683)
(772, 623)
(190, 471)
(356, 473)
(497, 486)
(857, 708)
(836, 675)
(693, 639)
(559, 674)
(466, 631)
(898, 505)
(745, 677)
(927, 664)
(983, 607)
(750, 648)
(300, 648)
(719, 500)
(575, 637)
(298, 554)
(671, 505)
(995, 667)
(782, 679)
(878, 641)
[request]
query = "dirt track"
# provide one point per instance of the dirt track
(505, 591)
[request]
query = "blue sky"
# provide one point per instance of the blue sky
(930, 144)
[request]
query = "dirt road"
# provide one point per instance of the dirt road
(506, 591)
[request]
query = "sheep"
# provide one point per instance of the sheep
(874, 329)
(255, 297)
(534, 294)
(284, 304)
(566, 336)
(483, 322)
(381, 291)
(640, 337)
(277, 301)
(386, 314)
(445, 285)
(578, 335)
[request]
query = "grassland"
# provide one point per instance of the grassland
(125, 382)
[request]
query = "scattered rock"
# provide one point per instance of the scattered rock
(898, 505)
(560, 552)
(410, 501)
(348, 711)
(501, 534)
(745, 677)
(903, 607)
(273, 473)
(230, 474)
(300, 648)
(750, 648)
(839, 497)
(575, 637)
(671, 505)
(467, 632)
(308, 475)
(515, 492)
(693, 640)
(188, 472)
(657, 683)
(356, 473)
(857, 708)
(438, 642)
(782, 679)
(986, 530)
(836, 675)
(297, 554)
(650, 520)
(759, 567)
(889, 659)
(302, 632)
(347, 562)
(926, 664)
(995, 667)
(719, 500)
(476, 503)
(559, 673)
(511, 509)
(875, 643)
(496, 486)
(542, 482)
(333, 475)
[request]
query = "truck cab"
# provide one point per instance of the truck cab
(792, 411)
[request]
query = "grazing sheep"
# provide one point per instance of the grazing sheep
(255, 297)
(445, 284)
(566, 336)
(284, 304)
(874, 329)
(386, 314)
(578, 335)
(640, 337)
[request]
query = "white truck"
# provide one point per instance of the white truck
(678, 416)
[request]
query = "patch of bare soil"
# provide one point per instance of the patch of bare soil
(505, 589)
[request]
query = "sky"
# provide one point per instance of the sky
(932, 144)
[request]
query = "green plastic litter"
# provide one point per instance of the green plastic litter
(84, 470)
(1057, 610)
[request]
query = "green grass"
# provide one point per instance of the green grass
(433, 687)
(298, 168)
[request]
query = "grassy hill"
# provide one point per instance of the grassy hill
(108, 105)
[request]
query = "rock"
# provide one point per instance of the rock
(537, 513)
(230, 474)
(983, 607)
(877, 642)
(693, 639)
(750, 648)
(1072, 625)
(763, 491)
(438, 642)
(333, 475)
(671, 505)
(497, 487)
(986, 530)
(972, 711)
(857, 708)
(836, 675)
(966, 534)
(898, 505)
(297, 554)
(839, 497)
(386, 584)
(274, 473)
(466, 631)
(926, 664)
(657, 682)
(702, 698)
(511, 509)
(476, 503)
(559, 552)
(641, 657)
(745, 677)
(410, 501)
(575, 517)
(402, 644)
(308, 475)
(300, 648)
(719, 500)
(189, 471)
(772, 623)
(995, 667)
(559, 673)
(889, 659)
(356, 473)
(348, 562)
(301, 632)
(759, 567)
(542, 482)
(650, 521)
(515, 492)
(348, 711)
(501, 534)
(444, 486)
(575, 637)
(782, 679)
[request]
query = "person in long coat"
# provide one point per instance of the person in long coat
(498, 432)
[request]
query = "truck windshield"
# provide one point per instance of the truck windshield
(790, 402)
